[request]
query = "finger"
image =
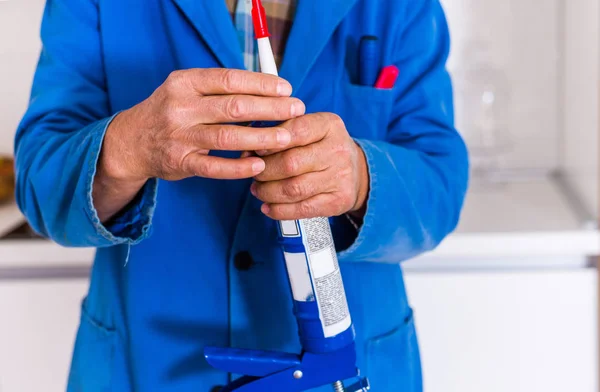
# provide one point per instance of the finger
(322, 205)
(295, 162)
(222, 168)
(308, 129)
(240, 108)
(226, 137)
(295, 189)
(218, 81)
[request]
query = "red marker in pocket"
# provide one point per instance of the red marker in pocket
(387, 78)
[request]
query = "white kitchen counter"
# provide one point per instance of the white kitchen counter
(10, 218)
(42, 254)
(519, 225)
(523, 250)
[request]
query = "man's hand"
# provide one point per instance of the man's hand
(170, 134)
(323, 172)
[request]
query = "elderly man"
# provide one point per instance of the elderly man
(133, 143)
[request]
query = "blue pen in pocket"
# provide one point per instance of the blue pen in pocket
(368, 60)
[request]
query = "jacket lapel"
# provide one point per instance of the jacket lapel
(212, 20)
(314, 24)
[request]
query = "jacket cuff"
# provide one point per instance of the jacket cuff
(384, 234)
(133, 224)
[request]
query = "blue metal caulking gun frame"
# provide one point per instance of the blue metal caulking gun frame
(324, 324)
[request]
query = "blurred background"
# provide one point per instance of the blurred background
(507, 303)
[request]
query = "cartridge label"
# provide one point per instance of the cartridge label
(289, 228)
(299, 277)
(327, 278)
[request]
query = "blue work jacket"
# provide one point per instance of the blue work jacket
(194, 263)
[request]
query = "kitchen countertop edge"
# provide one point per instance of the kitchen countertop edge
(458, 250)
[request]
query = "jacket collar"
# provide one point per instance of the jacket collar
(212, 21)
(314, 23)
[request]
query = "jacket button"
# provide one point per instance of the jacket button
(216, 388)
(243, 261)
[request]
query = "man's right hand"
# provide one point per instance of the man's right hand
(170, 134)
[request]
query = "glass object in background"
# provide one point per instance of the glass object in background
(7, 180)
(482, 111)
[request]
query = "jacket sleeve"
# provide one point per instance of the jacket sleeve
(419, 174)
(59, 139)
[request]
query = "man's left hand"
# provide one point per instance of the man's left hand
(321, 173)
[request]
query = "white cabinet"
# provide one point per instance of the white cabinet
(507, 331)
(19, 51)
(38, 323)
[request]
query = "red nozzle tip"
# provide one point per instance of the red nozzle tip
(259, 18)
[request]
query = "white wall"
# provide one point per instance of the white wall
(19, 50)
(581, 102)
(522, 37)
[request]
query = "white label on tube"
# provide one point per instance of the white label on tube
(327, 279)
(299, 276)
(322, 263)
(289, 228)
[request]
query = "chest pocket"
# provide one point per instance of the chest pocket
(365, 110)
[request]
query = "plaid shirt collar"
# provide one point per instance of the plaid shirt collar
(280, 15)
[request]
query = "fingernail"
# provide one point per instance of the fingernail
(283, 137)
(284, 89)
(265, 209)
(258, 166)
(253, 189)
(298, 109)
(261, 153)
